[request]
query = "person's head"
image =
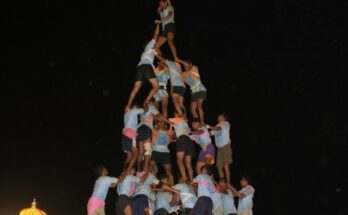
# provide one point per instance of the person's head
(207, 170)
(189, 66)
(222, 117)
(245, 181)
(196, 124)
(162, 125)
(223, 183)
(163, 3)
(101, 171)
(164, 178)
(162, 65)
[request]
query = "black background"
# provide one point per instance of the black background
(276, 67)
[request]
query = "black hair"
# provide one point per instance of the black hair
(141, 165)
(162, 176)
(224, 115)
(99, 170)
(222, 180)
(209, 168)
(247, 178)
(195, 120)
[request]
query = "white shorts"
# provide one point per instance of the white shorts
(161, 93)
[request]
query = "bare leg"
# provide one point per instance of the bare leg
(180, 160)
(194, 109)
(221, 172)
(176, 103)
(168, 169)
(129, 158)
(172, 45)
(181, 102)
(134, 159)
(227, 171)
(164, 104)
(141, 152)
(154, 89)
(136, 88)
(189, 166)
(200, 110)
(128, 210)
(160, 41)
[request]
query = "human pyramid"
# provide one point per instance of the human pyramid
(141, 188)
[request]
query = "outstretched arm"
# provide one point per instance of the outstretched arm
(184, 63)
(234, 191)
(161, 117)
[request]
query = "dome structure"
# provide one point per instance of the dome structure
(33, 210)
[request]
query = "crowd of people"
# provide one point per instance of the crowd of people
(141, 187)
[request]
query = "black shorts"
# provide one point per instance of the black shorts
(122, 202)
(127, 144)
(170, 27)
(199, 95)
(179, 90)
(161, 211)
(144, 73)
(203, 206)
(185, 144)
(161, 158)
(187, 211)
(139, 204)
(144, 133)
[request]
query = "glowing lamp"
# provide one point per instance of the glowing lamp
(33, 210)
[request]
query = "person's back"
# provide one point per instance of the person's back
(175, 74)
(165, 13)
(187, 195)
(245, 206)
(228, 201)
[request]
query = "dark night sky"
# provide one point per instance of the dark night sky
(274, 66)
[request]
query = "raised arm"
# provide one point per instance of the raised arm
(157, 30)
(185, 63)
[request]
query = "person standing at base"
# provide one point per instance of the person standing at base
(166, 11)
(185, 149)
(245, 206)
(125, 191)
(228, 194)
(145, 71)
(129, 134)
(223, 143)
(206, 189)
(96, 202)
(192, 78)
(187, 195)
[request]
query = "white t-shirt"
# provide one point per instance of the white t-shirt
(246, 204)
(131, 118)
(206, 186)
(187, 195)
(148, 55)
(163, 200)
(148, 116)
(222, 137)
(143, 188)
(125, 187)
(101, 187)
(165, 13)
(228, 200)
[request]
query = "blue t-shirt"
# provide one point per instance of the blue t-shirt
(101, 187)
(148, 55)
(187, 195)
(144, 188)
(163, 200)
(125, 187)
(147, 117)
(229, 206)
(175, 74)
(160, 141)
(131, 118)
(206, 186)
